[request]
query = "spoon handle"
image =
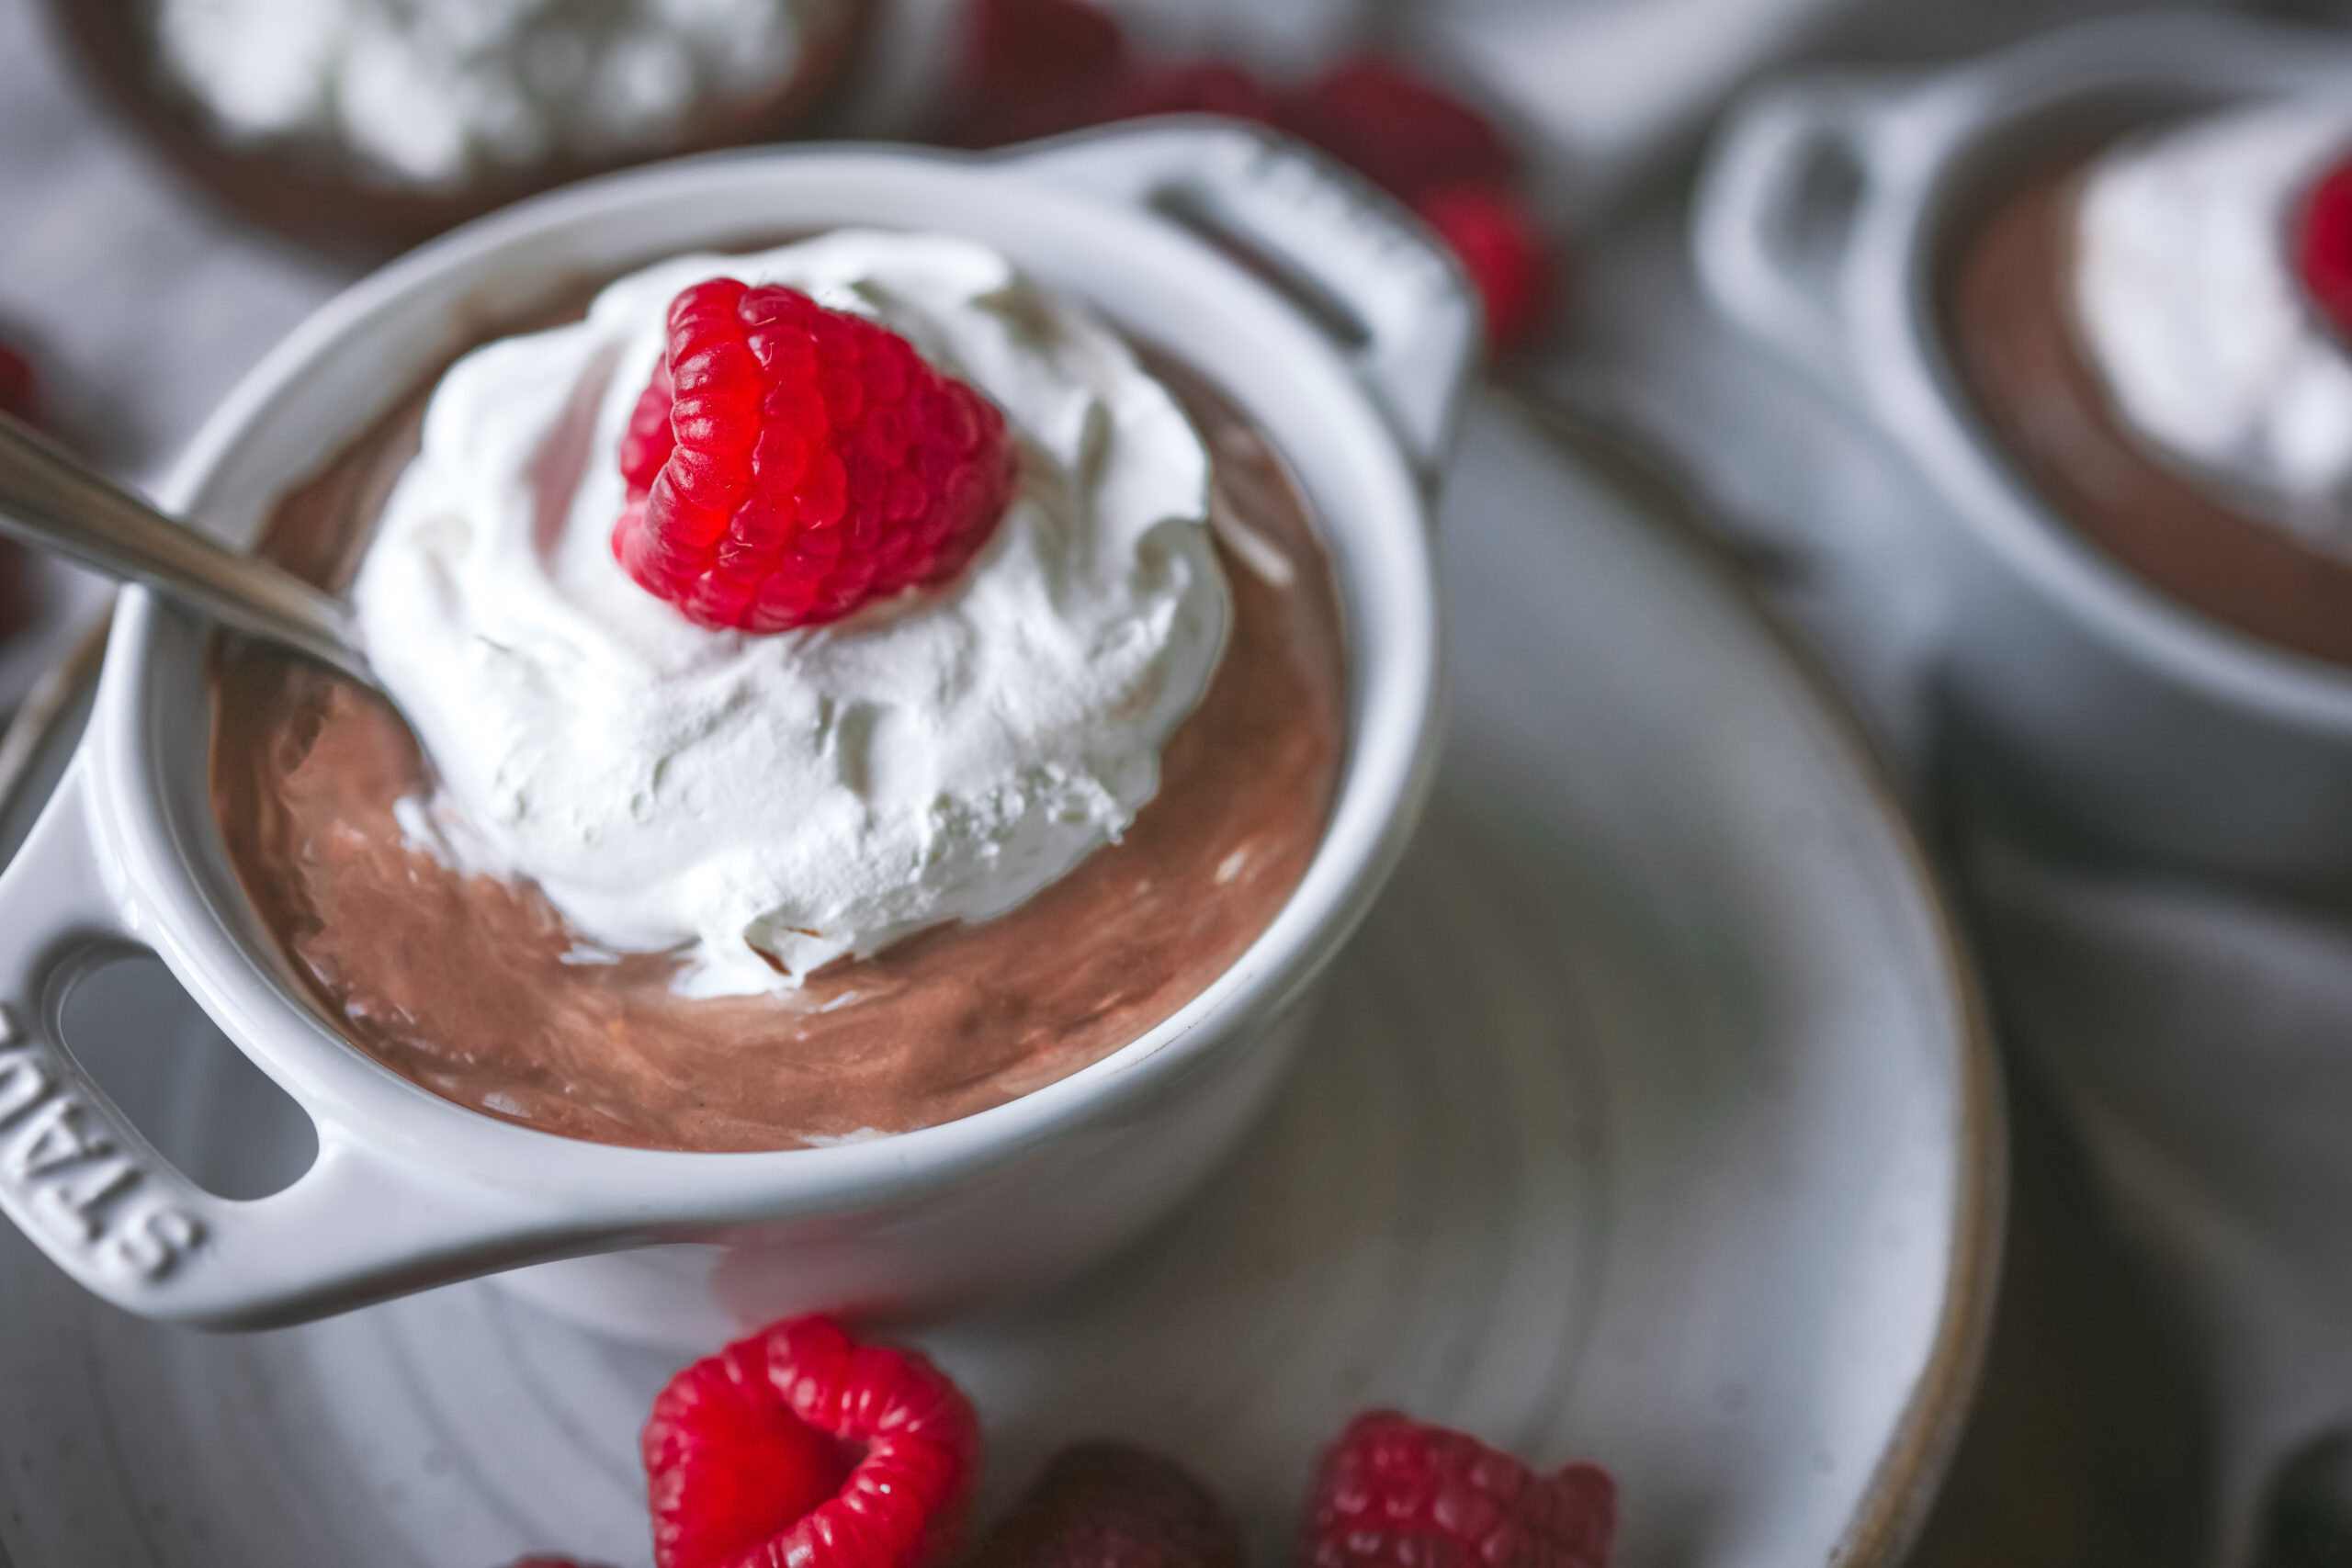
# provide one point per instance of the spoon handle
(54, 503)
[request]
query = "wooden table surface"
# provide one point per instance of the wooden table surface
(2086, 1448)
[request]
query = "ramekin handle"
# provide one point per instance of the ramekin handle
(1377, 283)
(74, 1175)
(1776, 206)
(83, 1183)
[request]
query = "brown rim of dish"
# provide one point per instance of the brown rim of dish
(1910, 1471)
(303, 196)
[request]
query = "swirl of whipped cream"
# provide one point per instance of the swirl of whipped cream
(781, 801)
(2186, 297)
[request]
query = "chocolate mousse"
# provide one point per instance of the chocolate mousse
(2017, 342)
(303, 180)
(475, 988)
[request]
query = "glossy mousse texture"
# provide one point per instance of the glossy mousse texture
(474, 986)
(2017, 347)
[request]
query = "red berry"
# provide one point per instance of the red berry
(1020, 47)
(16, 391)
(1397, 1493)
(787, 464)
(1199, 86)
(1103, 1504)
(798, 1447)
(1491, 233)
(1397, 130)
(1031, 68)
(2324, 246)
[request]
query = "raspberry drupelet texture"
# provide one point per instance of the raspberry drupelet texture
(799, 1447)
(1106, 1505)
(787, 464)
(2324, 246)
(1397, 1493)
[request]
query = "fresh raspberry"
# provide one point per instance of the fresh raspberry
(1033, 68)
(1020, 48)
(1103, 1504)
(787, 464)
(18, 396)
(1397, 1493)
(797, 1447)
(1199, 86)
(1488, 229)
(2324, 246)
(1398, 130)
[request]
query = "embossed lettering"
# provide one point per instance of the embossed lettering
(151, 1243)
(59, 1162)
(80, 1202)
(24, 1083)
(53, 1138)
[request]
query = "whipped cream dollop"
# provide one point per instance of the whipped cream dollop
(780, 801)
(2186, 297)
(429, 92)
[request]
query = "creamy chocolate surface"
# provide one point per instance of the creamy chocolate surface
(2012, 336)
(476, 988)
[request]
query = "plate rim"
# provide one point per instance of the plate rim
(1908, 1475)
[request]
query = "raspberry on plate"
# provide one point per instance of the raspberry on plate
(1449, 164)
(1398, 130)
(2324, 246)
(1033, 68)
(798, 1446)
(787, 464)
(1489, 231)
(1199, 86)
(1397, 1493)
(1105, 1505)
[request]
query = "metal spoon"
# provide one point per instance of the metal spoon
(55, 502)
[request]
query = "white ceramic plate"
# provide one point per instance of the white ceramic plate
(1649, 1119)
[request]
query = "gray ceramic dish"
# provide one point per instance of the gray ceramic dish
(1353, 372)
(1827, 213)
(1651, 1117)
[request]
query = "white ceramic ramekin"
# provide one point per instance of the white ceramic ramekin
(1336, 324)
(2091, 704)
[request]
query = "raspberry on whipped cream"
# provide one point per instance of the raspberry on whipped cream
(2186, 298)
(775, 802)
(788, 465)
